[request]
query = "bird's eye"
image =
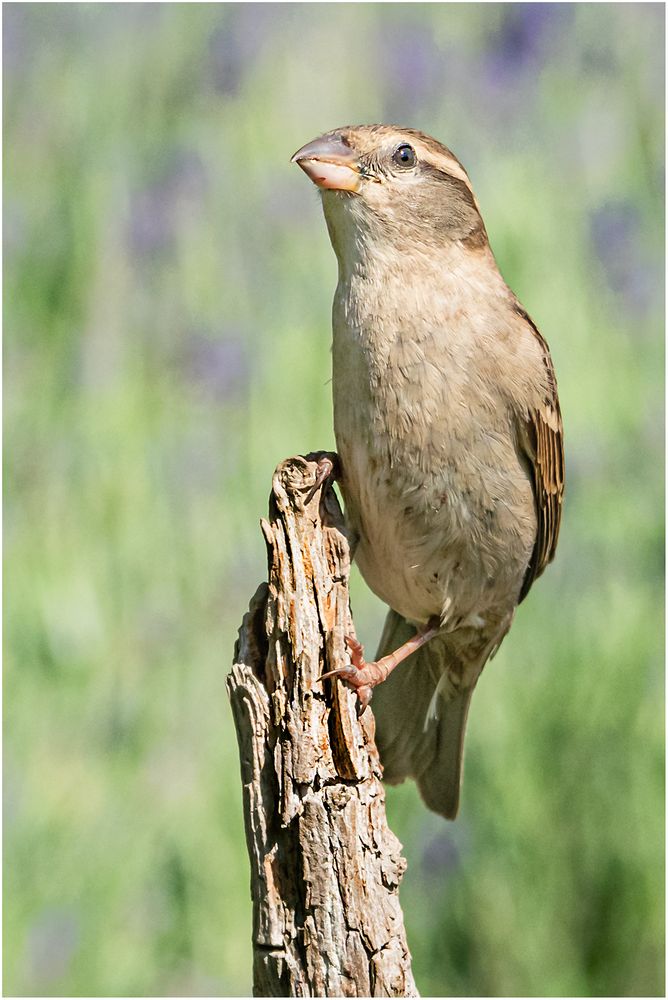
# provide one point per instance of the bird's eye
(404, 156)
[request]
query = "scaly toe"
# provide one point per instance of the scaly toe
(356, 650)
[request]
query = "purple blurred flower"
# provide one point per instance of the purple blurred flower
(236, 44)
(528, 30)
(52, 942)
(16, 51)
(414, 70)
(152, 213)
(440, 854)
(616, 232)
(218, 367)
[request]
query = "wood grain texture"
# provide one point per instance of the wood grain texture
(325, 867)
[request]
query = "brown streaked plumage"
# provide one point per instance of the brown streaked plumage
(448, 430)
(545, 450)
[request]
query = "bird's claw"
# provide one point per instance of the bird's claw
(328, 467)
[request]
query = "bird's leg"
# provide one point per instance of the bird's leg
(364, 677)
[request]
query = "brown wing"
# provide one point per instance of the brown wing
(543, 442)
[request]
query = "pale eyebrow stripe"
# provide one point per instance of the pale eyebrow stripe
(452, 167)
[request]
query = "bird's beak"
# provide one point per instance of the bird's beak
(330, 163)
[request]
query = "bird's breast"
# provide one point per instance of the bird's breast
(431, 477)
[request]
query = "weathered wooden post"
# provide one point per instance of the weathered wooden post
(325, 867)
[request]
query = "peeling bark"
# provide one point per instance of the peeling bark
(325, 867)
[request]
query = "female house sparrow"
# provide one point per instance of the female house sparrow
(448, 430)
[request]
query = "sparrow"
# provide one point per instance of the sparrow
(448, 432)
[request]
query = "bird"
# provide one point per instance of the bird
(448, 433)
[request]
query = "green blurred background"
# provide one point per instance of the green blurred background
(168, 282)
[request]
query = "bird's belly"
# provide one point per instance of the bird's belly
(418, 590)
(432, 542)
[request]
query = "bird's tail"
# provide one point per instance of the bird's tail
(421, 719)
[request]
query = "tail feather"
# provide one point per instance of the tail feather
(421, 720)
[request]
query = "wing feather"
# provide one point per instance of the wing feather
(542, 439)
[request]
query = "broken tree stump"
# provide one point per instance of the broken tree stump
(325, 867)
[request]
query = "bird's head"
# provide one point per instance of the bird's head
(387, 186)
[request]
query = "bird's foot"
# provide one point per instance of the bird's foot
(364, 677)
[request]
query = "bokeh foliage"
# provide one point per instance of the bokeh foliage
(168, 282)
